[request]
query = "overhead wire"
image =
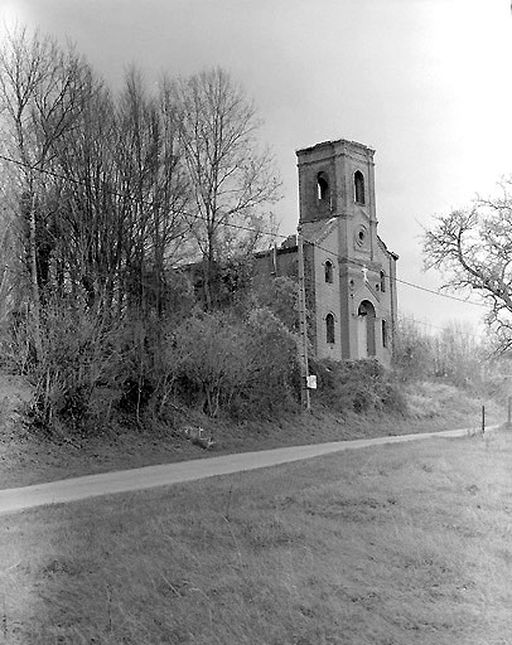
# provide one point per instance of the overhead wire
(242, 227)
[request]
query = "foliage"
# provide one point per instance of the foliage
(274, 379)
(226, 283)
(455, 353)
(459, 354)
(77, 357)
(232, 180)
(240, 367)
(413, 351)
(357, 386)
(208, 359)
(109, 194)
(280, 295)
(473, 247)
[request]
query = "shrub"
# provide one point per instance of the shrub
(273, 379)
(413, 352)
(280, 296)
(240, 367)
(207, 358)
(77, 356)
(357, 386)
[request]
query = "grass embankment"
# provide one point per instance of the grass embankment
(26, 459)
(404, 544)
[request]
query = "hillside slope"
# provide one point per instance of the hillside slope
(26, 458)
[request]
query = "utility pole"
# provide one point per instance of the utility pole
(303, 330)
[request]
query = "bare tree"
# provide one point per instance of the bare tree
(474, 249)
(233, 182)
(40, 98)
(152, 183)
(459, 353)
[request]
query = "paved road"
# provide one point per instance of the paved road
(68, 490)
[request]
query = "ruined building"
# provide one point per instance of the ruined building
(350, 275)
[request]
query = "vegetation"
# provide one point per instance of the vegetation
(358, 386)
(473, 247)
(129, 294)
(456, 353)
(389, 546)
(107, 195)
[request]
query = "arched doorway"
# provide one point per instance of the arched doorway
(366, 329)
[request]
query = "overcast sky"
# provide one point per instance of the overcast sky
(426, 83)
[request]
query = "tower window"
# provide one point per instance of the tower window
(382, 281)
(359, 187)
(322, 186)
(328, 271)
(384, 334)
(329, 328)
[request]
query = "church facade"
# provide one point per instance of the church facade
(350, 275)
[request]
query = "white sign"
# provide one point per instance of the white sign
(311, 382)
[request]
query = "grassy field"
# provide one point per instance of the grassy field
(26, 459)
(402, 544)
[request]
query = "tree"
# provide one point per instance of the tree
(413, 353)
(474, 249)
(231, 180)
(41, 96)
(153, 184)
(458, 353)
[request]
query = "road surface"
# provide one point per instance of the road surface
(122, 481)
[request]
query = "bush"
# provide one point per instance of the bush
(77, 356)
(413, 353)
(240, 367)
(207, 359)
(357, 386)
(280, 295)
(274, 379)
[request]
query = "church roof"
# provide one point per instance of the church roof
(316, 232)
(385, 249)
(336, 142)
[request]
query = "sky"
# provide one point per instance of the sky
(426, 83)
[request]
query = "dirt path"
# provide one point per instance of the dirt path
(68, 490)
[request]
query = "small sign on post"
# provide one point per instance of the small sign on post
(311, 382)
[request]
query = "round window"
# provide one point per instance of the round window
(361, 236)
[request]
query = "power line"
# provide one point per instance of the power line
(411, 284)
(442, 295)
(232, 225)
(57, 175)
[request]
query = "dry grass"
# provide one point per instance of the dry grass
(404, 544)
(24, 459)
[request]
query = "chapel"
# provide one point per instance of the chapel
(350, 274)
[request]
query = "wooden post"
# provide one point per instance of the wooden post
(483, 419)
(303, 344)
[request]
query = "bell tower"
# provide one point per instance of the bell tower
(337, 179)
(352, 276)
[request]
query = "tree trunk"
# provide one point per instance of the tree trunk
(36, 299)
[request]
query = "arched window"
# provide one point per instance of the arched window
(382, 281)
(366, 329)
(328, 271)
(322, 186)
(329, 329)
(359, 187)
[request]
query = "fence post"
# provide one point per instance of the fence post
(483, 419)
